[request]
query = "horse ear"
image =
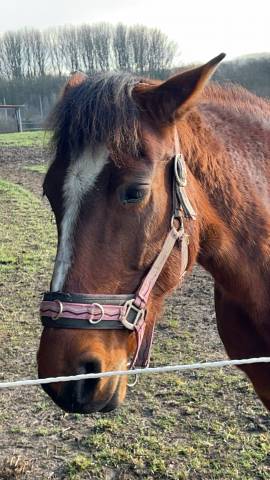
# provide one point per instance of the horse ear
(75, 79)
(176, 95)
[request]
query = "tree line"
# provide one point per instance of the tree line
(31, 54)
(34, 65)
(252, 72)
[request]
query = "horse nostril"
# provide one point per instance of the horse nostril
(90, 366)
(76, 396)
(84, 388)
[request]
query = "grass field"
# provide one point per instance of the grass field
(36, 168)
(24, 139)
(203, 425)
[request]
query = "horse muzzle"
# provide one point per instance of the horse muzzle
(88, 395)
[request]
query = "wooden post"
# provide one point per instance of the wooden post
(41, 107)
(19, 119)
(6, 113)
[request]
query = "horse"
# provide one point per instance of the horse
(149, 177)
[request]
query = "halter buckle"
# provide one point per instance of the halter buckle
(135, 314)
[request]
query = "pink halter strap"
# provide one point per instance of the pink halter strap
(80, 311)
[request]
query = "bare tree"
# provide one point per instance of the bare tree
(86, 43)
(55, 45)
(12, 54)
(40, 52)
(121, 47)
(28, 60)
(102, 37)
(161, 51)
(139, 42)
(35, 53)
(70, 47)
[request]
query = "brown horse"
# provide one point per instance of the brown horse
(112, 186)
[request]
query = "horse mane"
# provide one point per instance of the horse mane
(100, 110)
(236, 98)
(234, 113)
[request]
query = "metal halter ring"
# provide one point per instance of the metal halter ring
(60, 310)
(92, 313)
(179, 219)
(132, 384)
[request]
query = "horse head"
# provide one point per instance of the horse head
(114, 187)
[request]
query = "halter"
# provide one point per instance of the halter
(128, 312)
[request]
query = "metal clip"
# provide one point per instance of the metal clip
(128, 308)
(180, 170)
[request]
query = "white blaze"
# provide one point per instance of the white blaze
(80, 179)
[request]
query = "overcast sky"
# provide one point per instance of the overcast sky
(202, 28)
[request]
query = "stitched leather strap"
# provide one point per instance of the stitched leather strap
(154, 272)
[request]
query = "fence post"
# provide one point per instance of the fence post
(19, 119)
(6, 113)
(40, 107)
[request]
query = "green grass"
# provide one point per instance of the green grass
(79, 464)
(36, 168)
(25, 139)
(18, 250)
(205, 425)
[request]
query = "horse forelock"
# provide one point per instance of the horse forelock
(99, 111)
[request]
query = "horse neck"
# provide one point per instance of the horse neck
(227, 237)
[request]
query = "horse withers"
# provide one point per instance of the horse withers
(149, 177)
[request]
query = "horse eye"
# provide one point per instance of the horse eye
(132, 194)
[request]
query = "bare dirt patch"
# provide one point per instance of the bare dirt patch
(13, 161)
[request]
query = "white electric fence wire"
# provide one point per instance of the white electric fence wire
(137, 371)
